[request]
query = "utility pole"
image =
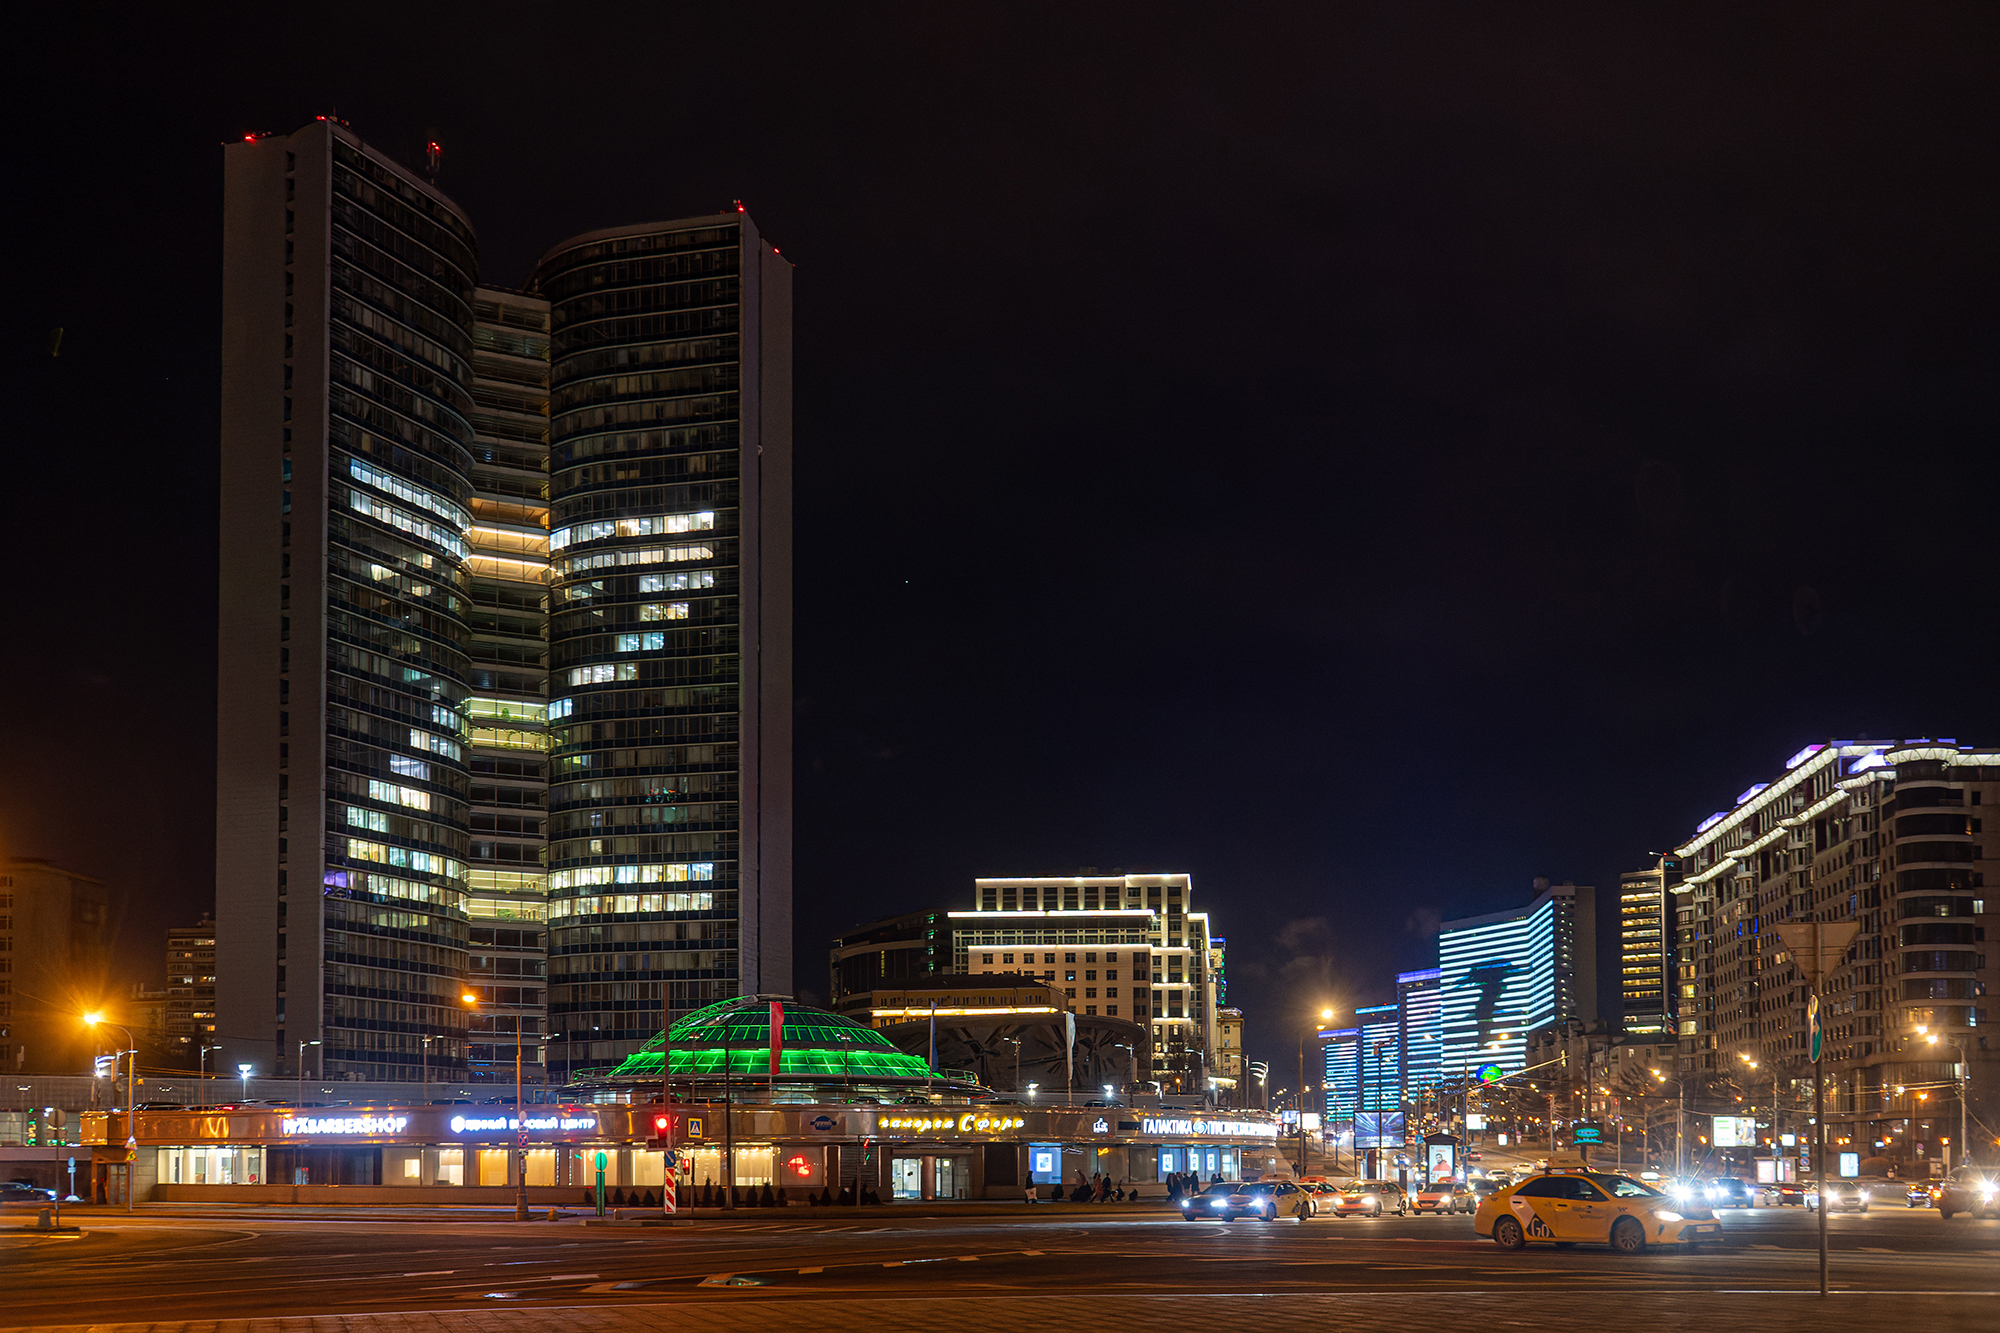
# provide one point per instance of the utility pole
(1815, 945)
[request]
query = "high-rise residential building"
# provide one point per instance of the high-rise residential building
(55, 940)
(507, 571)
(1128, 946)
(1646, 960)
(1888, 836)
(893, 951)
(1422, 1037)
(190, 1006)
(1229, 1055)
(341, 810)
(1502, 975)
(396, 441)
(670, 622)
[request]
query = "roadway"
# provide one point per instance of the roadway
(156, 1269)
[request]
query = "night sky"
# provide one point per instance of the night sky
(1363, 457)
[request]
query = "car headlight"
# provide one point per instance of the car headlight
(1665, 1216)
(1985, 1191)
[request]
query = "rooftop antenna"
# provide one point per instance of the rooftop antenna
(433, 157)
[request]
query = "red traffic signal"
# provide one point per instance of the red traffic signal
(662, 1135)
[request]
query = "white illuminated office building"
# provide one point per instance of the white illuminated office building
(1123, 946)
(1503, 975)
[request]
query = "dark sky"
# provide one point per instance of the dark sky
(1363, 456)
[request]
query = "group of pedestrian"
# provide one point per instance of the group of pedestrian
(1098, 1188)
(1183, 1183)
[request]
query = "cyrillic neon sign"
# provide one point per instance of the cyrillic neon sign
(354, 1124)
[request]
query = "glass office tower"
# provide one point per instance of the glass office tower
(669, 711)
(1504, 975)
(341, 820)
(1423, 1029)
(508, 574)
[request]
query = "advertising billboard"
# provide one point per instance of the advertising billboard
(1735, 1131)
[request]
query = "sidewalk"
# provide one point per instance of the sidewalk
(88, 1214)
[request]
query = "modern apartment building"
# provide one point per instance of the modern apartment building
(893, 951)
(670, 734)
(1647, 966)
(1125, 946)
(190, 1004)
(1502, 975)
(55, 941)
(396, 441)
(1888, 835)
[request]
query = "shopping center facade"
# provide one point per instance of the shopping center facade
(764, 1090)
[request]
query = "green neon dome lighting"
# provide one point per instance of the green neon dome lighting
(815, 1042)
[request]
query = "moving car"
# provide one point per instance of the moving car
(1842, 1196)
(19, 1191)
(1966, 1190)
(1372, 1198)
(1446, 1196)
(1785, 1193)
(1919, 1196)
(1730, 1192)
(1263, 1199)
(1591, 1207)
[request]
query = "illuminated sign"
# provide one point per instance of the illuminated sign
(969, 1123)
(1475, 1120)
(1309, 1121)
(1490, 1073)
(353, 1124)
(1735, 1131)
(1850, 1165)
(466, 1124)
(1248, 1129)
(1100, 1126)
(1586, 1131)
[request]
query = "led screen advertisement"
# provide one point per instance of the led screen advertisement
(1735, 1131)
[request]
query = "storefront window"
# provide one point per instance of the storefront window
(492, 1166)
(952, 1175)
(542, 1166)
(906, 1177)
(451, 1166)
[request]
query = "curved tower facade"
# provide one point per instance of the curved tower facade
(669, 716)
(346, 440)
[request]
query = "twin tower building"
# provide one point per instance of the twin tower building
(505, 628)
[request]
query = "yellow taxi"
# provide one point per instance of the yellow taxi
(1567, 1205)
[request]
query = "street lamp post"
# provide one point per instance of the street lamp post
(131, 1096)
(1964, 1091)
(520, 1118)
(300, 1070)
(243, 1072)
(1325, 1016)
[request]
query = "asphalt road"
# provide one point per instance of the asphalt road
(147, 1269)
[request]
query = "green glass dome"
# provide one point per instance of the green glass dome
(815, 1043)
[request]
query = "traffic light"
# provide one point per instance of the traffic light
(661, 1136)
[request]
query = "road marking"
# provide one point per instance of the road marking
(568, 1277)
(893, 1263)
(1030, 1251)
(968, 1258)
(433, 1272)
(812, 1270)
(1874, 1249)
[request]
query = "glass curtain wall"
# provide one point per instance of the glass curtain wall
(401, 274)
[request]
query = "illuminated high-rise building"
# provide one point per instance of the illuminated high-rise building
(397, 440)
(670, 611)
(1503, 975)
(1422, 1040)
(1646, 958)
(341, 793)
